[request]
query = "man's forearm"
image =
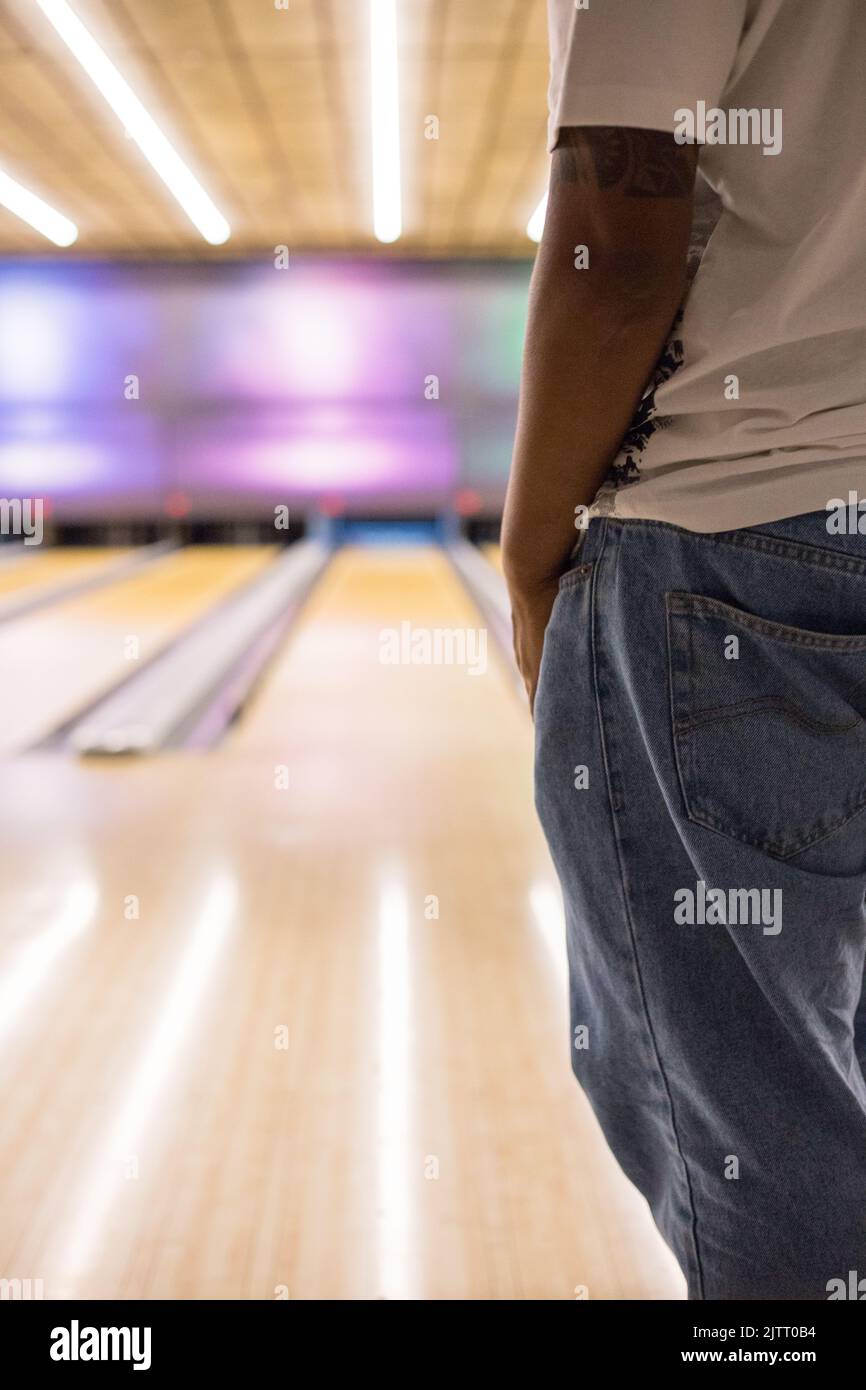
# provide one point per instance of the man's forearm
(595, 330)
(591, 344)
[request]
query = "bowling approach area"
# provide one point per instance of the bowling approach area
(284, 1011)
(283, 988)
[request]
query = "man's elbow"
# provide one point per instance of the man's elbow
(617, 286)
(619, 273)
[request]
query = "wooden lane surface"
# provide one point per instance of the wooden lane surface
(42, 568)
(360, 867)
(492, 552)
(59, 659)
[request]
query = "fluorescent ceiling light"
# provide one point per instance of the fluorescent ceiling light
(385, 112)
(29, 208)
(535, 225)
(141, 126)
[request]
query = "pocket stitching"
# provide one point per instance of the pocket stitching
(714, 714)
(710, 822)
(683, 745)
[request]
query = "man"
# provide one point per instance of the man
(701, 709)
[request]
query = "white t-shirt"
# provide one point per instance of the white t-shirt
(757, 410)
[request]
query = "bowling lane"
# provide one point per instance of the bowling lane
(42, 568)
(57, 660)
(304, 996)
(492, 552)
(433, 939)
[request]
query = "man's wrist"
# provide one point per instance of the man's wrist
(526, 590)
(524, 570)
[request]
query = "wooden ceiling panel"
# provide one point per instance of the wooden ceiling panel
(268, 30)
(270, 109)
(187, 27)
(486, 23)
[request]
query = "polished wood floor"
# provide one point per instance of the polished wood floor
(31, 569)
(289, 1018)
(493, 554)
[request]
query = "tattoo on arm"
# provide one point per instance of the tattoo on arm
(641, 163)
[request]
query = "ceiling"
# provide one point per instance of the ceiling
(270, 110)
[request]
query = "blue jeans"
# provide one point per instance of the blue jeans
(701, 779)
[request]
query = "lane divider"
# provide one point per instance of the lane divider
(488, 592)
(189, 693)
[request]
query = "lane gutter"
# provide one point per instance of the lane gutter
(201, 724)
(486, 588)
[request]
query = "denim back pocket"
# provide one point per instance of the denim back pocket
(769, 724)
